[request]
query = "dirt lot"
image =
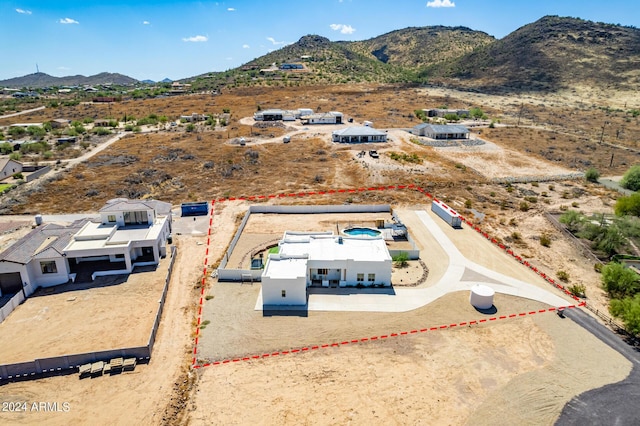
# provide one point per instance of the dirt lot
(521, 371)
(112, 312)
(479, 375)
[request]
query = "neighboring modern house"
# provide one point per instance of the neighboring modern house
(9, 167)
(194, 117)
(291, 67)
(323, 259)
(332, 117)
(102, 122)
(441, 131)
(130, 233)
(358, 135)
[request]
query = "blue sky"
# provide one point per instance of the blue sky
(178, 39)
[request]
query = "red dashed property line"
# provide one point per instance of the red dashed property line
(352, 190)
(382, 337)
(196, 339)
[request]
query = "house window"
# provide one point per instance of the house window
(360, 278)
(322, 271)
(371, 277)
(111, 218)
(284, 293)
(49, 267)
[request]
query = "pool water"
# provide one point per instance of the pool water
(362, 231)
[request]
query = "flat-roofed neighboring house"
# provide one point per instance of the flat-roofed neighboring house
(59, 123)
(331, 117)
(358, 134)
(441, 131)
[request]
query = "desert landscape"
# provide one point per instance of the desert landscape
(219, 358)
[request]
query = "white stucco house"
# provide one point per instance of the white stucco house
(129, 233)
(308, 259)
(9, 167)
(441, 131)
(331, 117)
(358, 134)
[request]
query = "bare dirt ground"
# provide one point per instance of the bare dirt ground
(520, 371)
(152, 394)
(523, 370)
(112, 312)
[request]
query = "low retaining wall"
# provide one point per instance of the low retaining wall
(37, 367)
(35, 175)
(11, 305)
(236, 274)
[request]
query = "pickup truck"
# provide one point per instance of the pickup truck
(374, 154)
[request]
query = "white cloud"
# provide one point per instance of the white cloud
(64, 68)
(273, 41)
(68, 21)
(231, 9)
(344, 29)
(245, 46)
(441, 3)
(146, 23)
(24, 12)
(196, 39)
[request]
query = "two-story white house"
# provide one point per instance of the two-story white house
(129, 233)
(324, 259)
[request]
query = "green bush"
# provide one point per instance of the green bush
(401, 259)
(628, 309)
(545, 240)
(631, 179)
(592, 175)
(577, 290)
(628, 205)
(619, 281)
(563, 276)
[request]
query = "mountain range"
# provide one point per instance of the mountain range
(549, 54)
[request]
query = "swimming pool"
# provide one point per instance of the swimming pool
(359, 232)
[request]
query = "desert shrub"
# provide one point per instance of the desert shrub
(524, 206)
(619, 281)
(563, 276)
(628, 205)
(545, 240)
(572, 219)
(577, 290)
(17, 176)
(631, 179)
(628, 309)
(401, 259)
(592, 175)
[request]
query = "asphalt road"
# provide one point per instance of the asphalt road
(614, 404)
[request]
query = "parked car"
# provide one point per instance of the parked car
(374, 154)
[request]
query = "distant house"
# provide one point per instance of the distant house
(435, 131)
(59, 123)
(358, 134)
(441, 112)
(194, 117)
(9, 168)
(323, 259)
(332, 117)
(291, 67)
(103, 122)
(130, 233)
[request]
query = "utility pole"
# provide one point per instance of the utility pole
(520, 114)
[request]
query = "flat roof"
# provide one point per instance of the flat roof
(288, 268)
(359, 131)
(333, 247)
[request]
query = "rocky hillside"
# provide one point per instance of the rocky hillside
(550, 54)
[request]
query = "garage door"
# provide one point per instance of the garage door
(10, 283)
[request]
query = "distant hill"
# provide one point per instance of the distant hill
(41, 79)
(423, 46)
(550, 54)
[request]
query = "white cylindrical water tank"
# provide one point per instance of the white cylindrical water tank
(38, 219)
(481, 296)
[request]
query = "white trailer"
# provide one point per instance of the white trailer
(446, 213)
